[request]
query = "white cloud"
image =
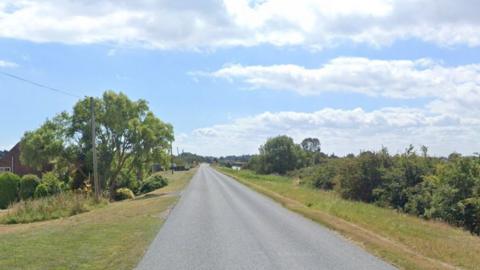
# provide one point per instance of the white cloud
(404, 79)
(449, 121)
(341, 131)
(7, 64)
(451, 89)
(196, 24)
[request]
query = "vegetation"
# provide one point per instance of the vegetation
(50, 185)
(124, 194)
(114, 236)
(27, 187)
(404, 240)
(8, 188)
(445, 189)
(130, 138)
(153, 182)
(64, 204)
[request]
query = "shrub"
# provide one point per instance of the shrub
(41, 191)
(49, 185)
(27, 186)
(8, 189)
(123, 194)
(152, 183)
(471, 214)
(128, 181)
(358, 178)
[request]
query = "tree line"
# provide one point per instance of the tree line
(442, 188)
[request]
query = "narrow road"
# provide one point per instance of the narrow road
(221, 224)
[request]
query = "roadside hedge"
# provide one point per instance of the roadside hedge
(27, 186)
(9, 183)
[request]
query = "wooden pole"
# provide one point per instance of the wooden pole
(94, 151)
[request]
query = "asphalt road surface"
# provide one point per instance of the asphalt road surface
(221, 224)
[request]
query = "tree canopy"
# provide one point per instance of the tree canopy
(129, 139)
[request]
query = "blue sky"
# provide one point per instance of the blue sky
(253, 71)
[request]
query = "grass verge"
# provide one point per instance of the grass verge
(405, 241)
(64, 204)
(113, 237)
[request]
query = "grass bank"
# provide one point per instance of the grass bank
(406, 241)
(113, 237)
(64, 204)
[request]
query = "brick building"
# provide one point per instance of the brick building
(10, 162)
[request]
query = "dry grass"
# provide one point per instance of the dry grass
(64, 204)
(112, 237)
(404, 240)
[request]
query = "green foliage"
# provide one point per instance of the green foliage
(50, 185)
(129, 137)
(152, 183)
(27, 186)
(129, 180)
(357, 178)
(8, 189)
(52, 207)
(123, 194)
(320, 176)
(470, 210)
(41, 191)
(432, 188)
(278, 155)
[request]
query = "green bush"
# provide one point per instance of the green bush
(8, 189)
(123, 194)
(41, 191)
(128, 181)
(27, 187)
(471, 214)
(50, 185)
(152, 183)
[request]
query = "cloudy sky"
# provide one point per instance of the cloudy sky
(230, 73)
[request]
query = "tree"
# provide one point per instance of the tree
(129, 137)
(279, 155)
(312, 150)
(359, 177)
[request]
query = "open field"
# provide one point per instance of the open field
(112, 237)
(406, 241)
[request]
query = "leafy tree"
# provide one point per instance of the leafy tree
(129, 137)
(279, 155)
(46, 145)
(359, 177)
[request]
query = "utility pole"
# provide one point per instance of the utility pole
(94, 151)
(171, 155)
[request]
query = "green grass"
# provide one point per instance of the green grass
(113, 237)
(64, 204)
(406, 241)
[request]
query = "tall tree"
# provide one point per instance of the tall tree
(279, 155)
(128, 135)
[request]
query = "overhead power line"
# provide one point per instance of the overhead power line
(68, 93)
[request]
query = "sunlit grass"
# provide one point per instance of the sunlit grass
(112, 237)
(64, 204)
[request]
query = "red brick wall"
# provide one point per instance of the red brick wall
(18, 167)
